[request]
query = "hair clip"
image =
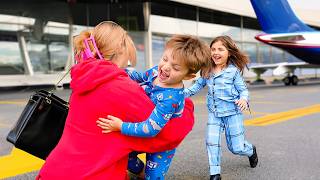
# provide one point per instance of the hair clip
(87, 53)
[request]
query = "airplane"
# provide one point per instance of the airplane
(283, 29)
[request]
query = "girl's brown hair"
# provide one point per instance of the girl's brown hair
(111, 40)
(236, 57)
(194, 52)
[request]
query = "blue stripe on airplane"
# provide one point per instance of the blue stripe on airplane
(276, 16)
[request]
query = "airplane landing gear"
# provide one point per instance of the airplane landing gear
(286, 81)
(291, 80)
(294, 80)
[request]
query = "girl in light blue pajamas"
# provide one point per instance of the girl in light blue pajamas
(183, 57)
(226, 99)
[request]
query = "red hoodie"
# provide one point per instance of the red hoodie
(100, 88)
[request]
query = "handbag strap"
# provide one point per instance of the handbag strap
(60, 79)
(63, 76)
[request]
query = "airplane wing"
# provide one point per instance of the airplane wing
(281, 68)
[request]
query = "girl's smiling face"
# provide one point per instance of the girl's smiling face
(219, 54)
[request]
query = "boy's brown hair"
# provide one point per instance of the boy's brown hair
(194, 52)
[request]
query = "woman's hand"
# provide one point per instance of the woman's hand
(109, 124)
(242, 103)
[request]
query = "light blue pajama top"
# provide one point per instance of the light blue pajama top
(224, 89)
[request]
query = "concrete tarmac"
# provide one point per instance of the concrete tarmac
(284, 126)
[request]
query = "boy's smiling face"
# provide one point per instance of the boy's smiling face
(171, 71)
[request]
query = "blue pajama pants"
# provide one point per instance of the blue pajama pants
(157, 164)
(234, 132)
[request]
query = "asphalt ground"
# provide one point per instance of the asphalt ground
(284, 126)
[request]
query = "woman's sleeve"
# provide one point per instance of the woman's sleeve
(195, 88)
(241, 86)
(159, 117)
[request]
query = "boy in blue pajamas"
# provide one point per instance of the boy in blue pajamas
(169, 104)
(183, 57)
(226, 99)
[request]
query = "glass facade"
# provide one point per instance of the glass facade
(158, 43)
(251, 50)
(10, 58)
(48, 57)
(49, 52)
(258, 53)
(277, 55)
(139, 39)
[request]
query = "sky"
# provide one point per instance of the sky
(307, 10)
(306, 4)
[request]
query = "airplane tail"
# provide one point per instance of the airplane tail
(276, 16)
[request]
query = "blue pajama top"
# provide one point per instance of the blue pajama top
(224, 89)
(169, 103)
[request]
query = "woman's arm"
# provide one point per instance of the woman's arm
(195, 88)
(159, 117)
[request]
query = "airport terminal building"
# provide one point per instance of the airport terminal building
(36, 38)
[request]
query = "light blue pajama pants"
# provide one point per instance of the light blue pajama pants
(234, 132)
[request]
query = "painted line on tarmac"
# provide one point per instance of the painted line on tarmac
(253, 113)
(18, 162)
(283, 116)
(4, 125)
(266, 102)
(203, 101)
(15, 102)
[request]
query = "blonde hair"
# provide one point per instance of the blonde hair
(236, 57)
(111, 40)
(194, 52)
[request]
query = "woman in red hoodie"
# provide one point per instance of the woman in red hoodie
(100, 87)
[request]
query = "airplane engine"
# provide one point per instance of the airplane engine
(280, 70)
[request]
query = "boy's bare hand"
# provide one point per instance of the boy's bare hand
(109, 124)
(242, 103)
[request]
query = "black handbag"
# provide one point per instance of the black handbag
(40, 125)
